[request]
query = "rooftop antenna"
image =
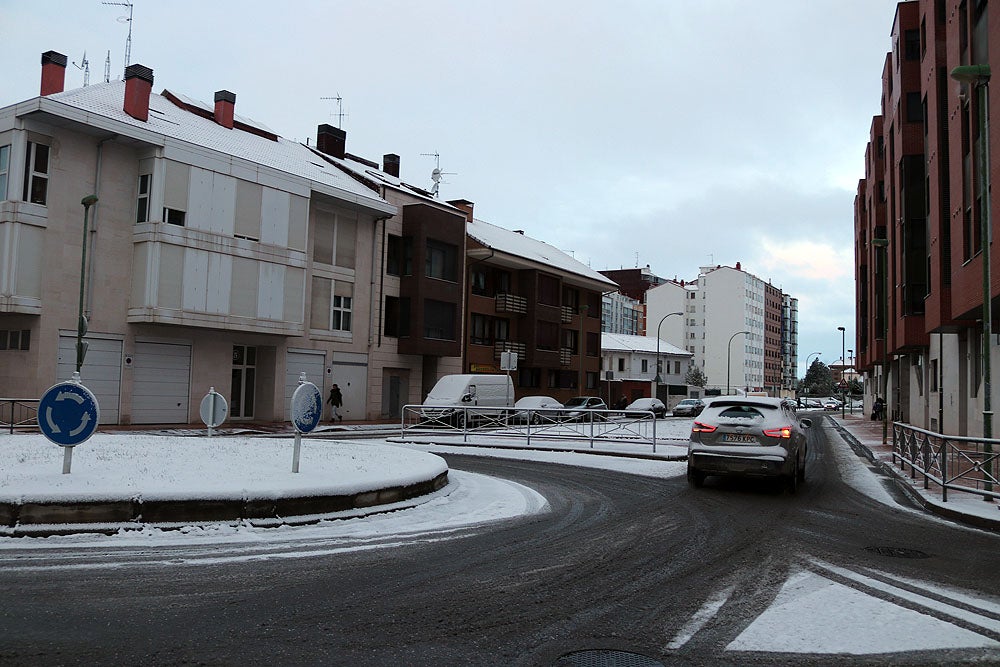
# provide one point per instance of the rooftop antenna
(436, 174)
(340, 109)
(637, 260)
(85, 66)
(107, 68)
(128, 40)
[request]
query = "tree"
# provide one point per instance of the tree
(695, 376)
(855, 388)
(818, 380)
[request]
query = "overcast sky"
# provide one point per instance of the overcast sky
(673, 133)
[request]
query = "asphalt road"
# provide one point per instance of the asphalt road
(621, 564)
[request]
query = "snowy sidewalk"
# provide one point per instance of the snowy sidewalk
(861, 432)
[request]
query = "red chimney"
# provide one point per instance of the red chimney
(390, 164)
(53, 73)
(331, 140)
(738, 266)
(465, 206)
(138, 84)
(225, 107)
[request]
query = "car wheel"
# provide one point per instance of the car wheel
(460, 420)
(792, 481)
(801, 470)
(695, 477)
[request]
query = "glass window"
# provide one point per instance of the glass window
(36, 173)
(479, 282)
(142, 199)
(343, 297)
(480, 330)
(440, 260)
(391, 325)
(4, 170)
(439, 320)
(393, 255)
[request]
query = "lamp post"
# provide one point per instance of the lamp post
(811, 355)
(657, 379)
(81, 323)
(850, 355)
(978, 76)
(729, 356)
(843, 361)
(883, 245)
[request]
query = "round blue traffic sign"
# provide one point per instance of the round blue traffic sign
(307, 407)
(68, 414)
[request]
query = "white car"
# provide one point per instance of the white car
(540, 409)
(653, 405)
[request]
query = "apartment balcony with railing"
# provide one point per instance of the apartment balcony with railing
(501, 346)
(511, 303)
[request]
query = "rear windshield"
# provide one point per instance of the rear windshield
(741, 412)
(688, 401)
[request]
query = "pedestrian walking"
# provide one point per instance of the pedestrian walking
(336, 400)
(877, 409)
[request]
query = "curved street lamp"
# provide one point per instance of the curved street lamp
(657, 378)
(81, 323)
(729, 356)
(843, 367)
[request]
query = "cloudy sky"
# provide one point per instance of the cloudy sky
(673, 133)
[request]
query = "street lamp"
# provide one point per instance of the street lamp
(883, 245)
(729, 356)
(850, 355)
(657, 378)
(843, 361)
(81, 323)
(978, 76)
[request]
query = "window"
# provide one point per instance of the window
(480, 330)
(914, 108)
(621, 364)
(529, 377)
(393, 255)
(391, 325)
(343, 296)
(4, 170)
(548, 290)
(677, 368)
(911, 44)
(15, 340)
(332, 303)
(479, 282)
(502, 329)
(173, 216)
(176, 180)
(36, 173)
(142, 199)
(440, 260)
(571, 298)
(334, 239)
(548, 336)
(439, 320)
(501, 281)
(645, 365)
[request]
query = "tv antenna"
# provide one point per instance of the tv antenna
(125, 19)
(107, 68)
(340, 109)
(85, 66)
(436, 174)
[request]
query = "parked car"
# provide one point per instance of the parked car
(653, 405)
(831, 404)
(748, 436)
(578, 408)
(547, 407)
(811, 403)
(689, 407)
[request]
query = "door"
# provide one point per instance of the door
(161, 382)
(298, 362)
(101, 372)
(395, 392)
(241, 401)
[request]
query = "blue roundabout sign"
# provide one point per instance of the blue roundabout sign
(307, 407)
(68, 414)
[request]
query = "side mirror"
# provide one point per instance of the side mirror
(806, 423)
(467, 398)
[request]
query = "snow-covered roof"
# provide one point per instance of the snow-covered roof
(376, 175)
(629, 343)
(174, 122)
(535, 251)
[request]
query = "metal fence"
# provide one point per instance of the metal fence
(955, 463)
(635, 427)
(18, 413)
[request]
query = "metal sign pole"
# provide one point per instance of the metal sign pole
(67, 459)
(296, 450)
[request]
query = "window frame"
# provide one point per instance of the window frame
(32, 174)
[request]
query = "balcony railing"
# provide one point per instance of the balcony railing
(565, 356)
(507, 346)
(566, 314)
(511, 303)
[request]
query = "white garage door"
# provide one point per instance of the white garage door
(161, 381)
(296, 363)
(101, 372)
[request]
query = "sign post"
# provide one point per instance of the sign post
(307, 409)
(214, 409)
(68, 415)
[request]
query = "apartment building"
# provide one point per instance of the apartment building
(621, 314)
(919, 214)
(526, 296)
(218, 254)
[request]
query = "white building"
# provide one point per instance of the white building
(631, 363)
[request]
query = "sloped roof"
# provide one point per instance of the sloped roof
(380, 177)
(533, 250)
(173, 122)
(629, 343)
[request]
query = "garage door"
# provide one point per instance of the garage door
(101, 372)
(296, 363)
(161, 381)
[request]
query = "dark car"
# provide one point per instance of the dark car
(748, 436)
(578, 408)
(689, 407)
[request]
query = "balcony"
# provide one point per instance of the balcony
(565, 356)
(511, 303)
(566, 314)
(508, 346)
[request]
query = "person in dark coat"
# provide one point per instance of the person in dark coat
(877, 409)
(336, 400)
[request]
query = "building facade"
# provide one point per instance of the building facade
(631, 365)
(919, 215)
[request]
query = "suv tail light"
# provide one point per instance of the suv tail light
(702, 428)
(783, 432)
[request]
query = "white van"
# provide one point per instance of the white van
(463, 391)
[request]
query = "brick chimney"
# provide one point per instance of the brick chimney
(390, 164)
(225, 108)
(331, 140)
(53, 73)
(138, 85)
(463, 205)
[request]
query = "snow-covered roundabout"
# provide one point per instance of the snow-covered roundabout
(136, 479)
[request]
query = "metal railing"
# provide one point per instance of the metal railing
(956, 463)
(633, 426)
(18, 413)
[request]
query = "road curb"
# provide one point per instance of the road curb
(905, 485)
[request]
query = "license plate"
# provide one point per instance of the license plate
(738, 437)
